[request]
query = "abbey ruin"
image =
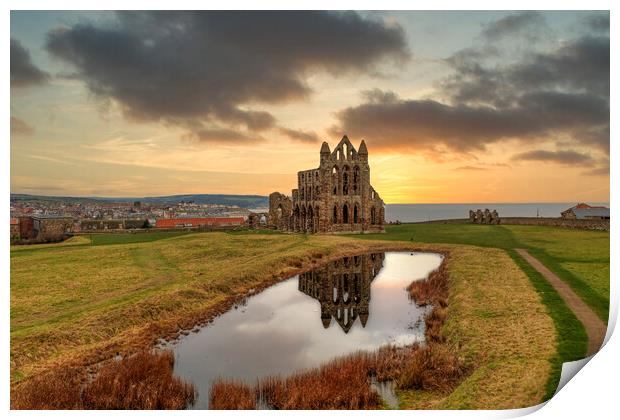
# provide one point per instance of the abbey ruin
(343, 288)
(335, 197)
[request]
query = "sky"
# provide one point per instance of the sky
(455, 107)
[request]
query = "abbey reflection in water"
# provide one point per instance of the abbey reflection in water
(343, 288)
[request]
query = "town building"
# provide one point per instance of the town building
(335, 197)
(583, 211)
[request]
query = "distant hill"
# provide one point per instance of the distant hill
(246, 201)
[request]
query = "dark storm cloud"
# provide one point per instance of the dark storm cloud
(563, 93)
(393, 123)
(20, 127)
(580, 65)
(529, 23)
(565, 157)
(299, 135)
(23, 71)
(211, 66)
(597, 22)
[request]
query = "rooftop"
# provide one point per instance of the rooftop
(582, 213)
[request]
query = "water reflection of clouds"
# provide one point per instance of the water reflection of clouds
(280, 330)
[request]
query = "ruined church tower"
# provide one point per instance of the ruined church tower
(335, 197)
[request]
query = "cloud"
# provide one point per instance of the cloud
(470, 168)
(600, 171)
(564, 157)
(23, 71)
(529, 23)
(581, 65)
(221, 135)
(396, 123)
(562, 92)
(597, 22)
(299, 135)
(211, 66)
(20, 127)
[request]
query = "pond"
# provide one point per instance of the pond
(354, 303)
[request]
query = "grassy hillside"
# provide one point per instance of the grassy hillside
(68, 301)
(75, 304)
(579, 257)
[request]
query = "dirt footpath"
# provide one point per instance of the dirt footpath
(595, 328)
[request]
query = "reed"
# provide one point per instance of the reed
(343, 383)
(431, 368)
(55, 390)
(231, 395)
(433, 290)
(144, 381)
(141, 381)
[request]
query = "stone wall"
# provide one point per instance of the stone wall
(534, 221)
(280, 211)
(46, 229)
(26, 227)
(593, 224)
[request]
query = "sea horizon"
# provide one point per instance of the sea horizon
(423, 212)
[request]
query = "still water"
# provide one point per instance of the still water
(355, 303)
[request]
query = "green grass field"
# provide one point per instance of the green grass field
(579, 257)
(78, 302)
(131, 238)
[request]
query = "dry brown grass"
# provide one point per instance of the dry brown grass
(78, 306)
(142, 381)
(56, 390)
(343, 383)
(431, 368)
(434, 290)
(231, 395)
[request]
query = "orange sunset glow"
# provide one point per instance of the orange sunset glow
(454, 106)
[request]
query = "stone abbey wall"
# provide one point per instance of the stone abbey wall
(335, 197)
(280, 211)
(343, 288)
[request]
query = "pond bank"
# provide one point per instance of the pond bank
(495, 318)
